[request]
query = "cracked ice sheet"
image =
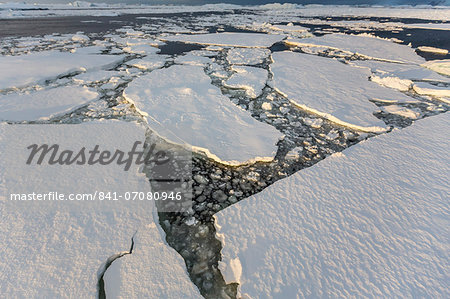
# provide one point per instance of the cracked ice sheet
(248, 56)
(371, 47)
(55, 249)
(243, 40)
(348, 227)
(182, 106)
(44, 104)
(439, 66)
(402, 71)
(345, 100)
(251, 79)
(149, 62)
(129, 276)
(35, 68)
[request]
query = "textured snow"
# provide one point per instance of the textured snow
(149, 62)
(402, 71)
(244, 40)
(44, 104)
(247, 56)
(133, 276)
(345, 100)
(181, 105)
(393, 82)
(56, 249)
(369, 222)
(439, 66)
(252, 79)
(370, 47)
(38, 67)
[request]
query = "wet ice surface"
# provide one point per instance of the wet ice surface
(238, 85)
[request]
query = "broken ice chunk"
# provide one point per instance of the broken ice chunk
(251, 79)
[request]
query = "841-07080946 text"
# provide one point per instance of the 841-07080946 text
(97, 195)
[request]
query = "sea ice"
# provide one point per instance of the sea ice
(38, 67)
(57, 248)
(368, 46)
(346, 98)
(251, 79)
(129, 276)
(368, 222)
(247, 56)
(243, 40)
(182, 106)
(439, 66)
(44, 104)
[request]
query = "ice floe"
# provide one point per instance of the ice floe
(56, 248)
(346, 98)
(44, 104)
(243, 40)
(38, 67)
(247, 56)
(251, 79)
(439, 66)
(129, 276)
(181, 105)
(368, 222)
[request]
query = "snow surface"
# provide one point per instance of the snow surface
(95, 76)
(56, 249)
(402, 71)
(424, 88)
(433, 50)
(251, 79)
(345, 100)
(38, 67)
(247, 56)
(133, 276)
(368, 46)
(149, 62)
(401, 111)
(192, 59)
(182, 106)
(439, 66)
(44, 104)
(289, 28)
(243, 40)
(369, 222)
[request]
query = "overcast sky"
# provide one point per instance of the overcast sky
(250, 2)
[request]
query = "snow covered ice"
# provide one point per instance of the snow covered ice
(310, 143)
(243, 40)
(57, 248)
(346, 100)
(180, 104)
(368, 222)
(44, 104)
(42, 66)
